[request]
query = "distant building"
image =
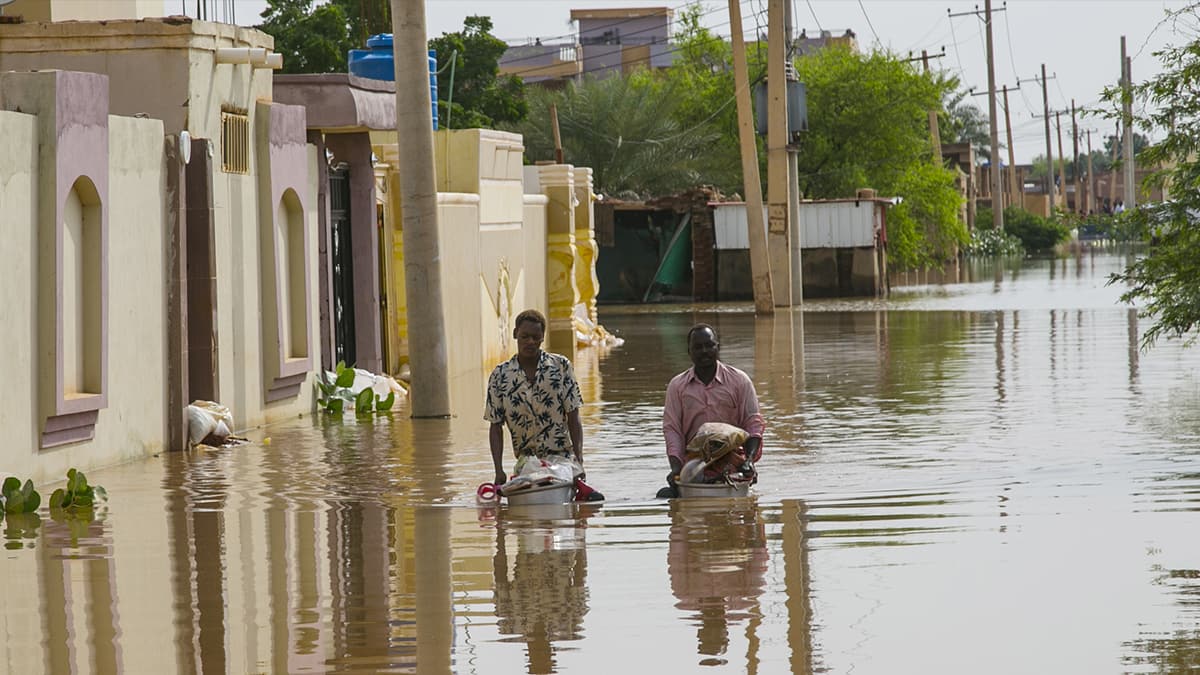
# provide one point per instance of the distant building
(608, 41)
(806, 45)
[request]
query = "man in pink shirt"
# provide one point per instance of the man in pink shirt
(709, 391)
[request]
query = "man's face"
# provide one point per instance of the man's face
(704, 348)
(529, 335)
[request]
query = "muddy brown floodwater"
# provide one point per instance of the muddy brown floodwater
(987, 477)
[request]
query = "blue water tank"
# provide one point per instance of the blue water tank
(378, 62)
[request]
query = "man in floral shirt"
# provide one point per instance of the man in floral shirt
(536, 396)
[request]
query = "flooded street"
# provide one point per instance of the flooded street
(987, 477)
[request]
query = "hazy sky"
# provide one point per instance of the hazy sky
(1078, 40)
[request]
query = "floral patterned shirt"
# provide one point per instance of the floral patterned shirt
(535, 413)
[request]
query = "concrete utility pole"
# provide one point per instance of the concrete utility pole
(1127, 108)
(1062, 164)
(418, 198)
(1075, 158)
(779, 253)
(1014, 189)
(793, 172)
(760, 269)
(1049, 152)
(996, 175)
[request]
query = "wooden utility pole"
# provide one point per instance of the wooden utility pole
(1062, 164)
(934, 135)
(418, 197)
(558, 151)
(1014, 188)
(1075, 158)
(997, 188)
(760, 269)
(1091, 180)
(1112, 173)
(1049, 152)
(1127, 108)
(779, 251)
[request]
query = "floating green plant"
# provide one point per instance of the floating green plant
(334, 393)
(20, 498)
(78, 494)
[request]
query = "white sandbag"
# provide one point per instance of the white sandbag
(209, 423)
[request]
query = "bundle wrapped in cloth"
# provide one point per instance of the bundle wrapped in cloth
(533, 471)
(715, 455)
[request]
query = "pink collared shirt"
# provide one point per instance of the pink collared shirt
(729, 398)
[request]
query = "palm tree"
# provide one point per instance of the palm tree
(624, 128)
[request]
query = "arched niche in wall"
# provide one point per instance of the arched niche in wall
(290, 263)
(75, 312)
(285, 204)
(80, 299)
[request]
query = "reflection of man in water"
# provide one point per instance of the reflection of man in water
(545, 599)
(717, 560)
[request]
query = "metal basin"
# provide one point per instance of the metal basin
(705, 490)
(553, 493)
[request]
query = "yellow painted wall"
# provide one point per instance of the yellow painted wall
(133, 424)
(19, 195)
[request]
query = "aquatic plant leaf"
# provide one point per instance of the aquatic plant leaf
(72, 476)
(364, 402)
(335, 405)
(56, 499)
(345, 377)
(385, 404)
(101, 493)
(11, 485)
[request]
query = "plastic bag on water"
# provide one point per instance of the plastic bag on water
(531, 470)
(209, 423)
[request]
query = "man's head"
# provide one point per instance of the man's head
(703, 347)
(529, 330)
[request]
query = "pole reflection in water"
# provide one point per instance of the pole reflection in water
(541, 593)
(717, 559)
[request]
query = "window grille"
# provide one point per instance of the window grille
(235, 142)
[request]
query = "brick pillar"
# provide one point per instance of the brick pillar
(704, 249)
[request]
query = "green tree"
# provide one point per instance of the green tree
(868, 127)
(1166, 281)
(312, 39)
(471, 91)
(964, 122)
(365, 18)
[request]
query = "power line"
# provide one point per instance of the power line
(869, 24)
(814, 14)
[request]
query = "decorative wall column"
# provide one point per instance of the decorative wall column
(558, 184)
(284, 202)
(586, 247)
(72, 246)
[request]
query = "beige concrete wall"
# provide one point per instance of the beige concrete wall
(18, 222)
(133, 424)
(493, 243)
(165, 70)
(86, 10)
(239, 307)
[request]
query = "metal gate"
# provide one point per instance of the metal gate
(342, 261)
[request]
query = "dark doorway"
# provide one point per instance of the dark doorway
(201, 277)
(341, 255)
